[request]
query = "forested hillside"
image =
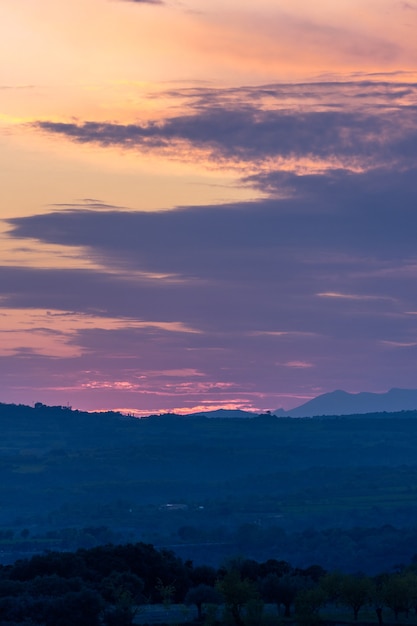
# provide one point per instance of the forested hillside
(262, 487)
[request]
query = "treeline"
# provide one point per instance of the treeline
(109, 584)
(370, 550)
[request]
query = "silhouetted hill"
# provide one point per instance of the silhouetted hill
(344, 403)
(224, 413)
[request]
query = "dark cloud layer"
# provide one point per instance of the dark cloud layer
(268, 259)
(372, 213)
(340, 94)
(356, 123)
(251, 134)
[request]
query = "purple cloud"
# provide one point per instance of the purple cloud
(251, 134)
(268, 259)
(360, 123)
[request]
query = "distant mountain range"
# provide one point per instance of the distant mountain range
(336, 403)
(344, 403)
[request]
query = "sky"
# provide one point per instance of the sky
(206, 204)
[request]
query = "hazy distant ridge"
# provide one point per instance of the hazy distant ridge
(335, 403)
(343, 403)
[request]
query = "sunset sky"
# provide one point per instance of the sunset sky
(207, 203)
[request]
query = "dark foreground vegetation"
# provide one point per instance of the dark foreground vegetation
(337, 491)
(117, 585)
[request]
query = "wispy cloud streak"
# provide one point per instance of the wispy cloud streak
(355, 125)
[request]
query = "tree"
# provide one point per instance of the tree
(82, 608)
(314, 572)
(332, 585)
(200, 595)
(203, 575)
(355, 592)
(282, 590)
(166, 592)
(307, 605)
(124, 591)
(272, 566)
(236, 593)
(118, 584)
(399, 592)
